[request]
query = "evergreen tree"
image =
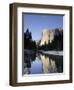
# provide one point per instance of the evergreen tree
(28, 42)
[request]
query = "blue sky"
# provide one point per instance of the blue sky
(36, 23)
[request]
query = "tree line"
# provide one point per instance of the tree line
(56, 44)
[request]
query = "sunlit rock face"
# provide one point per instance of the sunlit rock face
(47, 36)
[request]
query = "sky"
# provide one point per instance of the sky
(36, 23)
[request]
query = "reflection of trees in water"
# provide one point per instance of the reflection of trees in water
(28, 58)
(59, 63)
(50, 63)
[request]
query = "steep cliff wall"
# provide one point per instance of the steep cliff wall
(48, 35)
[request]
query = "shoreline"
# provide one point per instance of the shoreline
(59, 53)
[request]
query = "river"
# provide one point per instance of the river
(38, 63)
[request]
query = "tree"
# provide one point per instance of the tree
(27, 39)
(28, 42)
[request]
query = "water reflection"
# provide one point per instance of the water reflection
(37, 63)
(48, 64)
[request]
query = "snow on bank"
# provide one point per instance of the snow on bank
(60, 53)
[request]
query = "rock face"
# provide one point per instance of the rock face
(47, 36)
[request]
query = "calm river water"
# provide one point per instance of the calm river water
(38, 63)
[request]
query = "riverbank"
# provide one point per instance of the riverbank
(59, 53)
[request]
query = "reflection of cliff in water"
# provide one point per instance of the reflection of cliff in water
(51, 63)
(36, 63)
